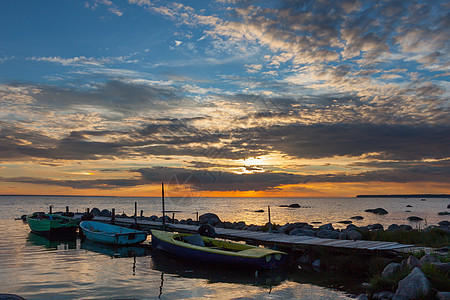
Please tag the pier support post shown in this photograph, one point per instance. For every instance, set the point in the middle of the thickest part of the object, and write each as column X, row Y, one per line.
column 88, row 210
column 142, row 213
column 67, row 209
column 197, row 218
column 173, row 218
column 113, row 215
column 163, row 208
column 135, row 212
column 270, row 223
column 50, row 209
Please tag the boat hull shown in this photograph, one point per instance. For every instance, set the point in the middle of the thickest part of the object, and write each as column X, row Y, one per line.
column 53, row 226
column 229, row 259
column 111, row 234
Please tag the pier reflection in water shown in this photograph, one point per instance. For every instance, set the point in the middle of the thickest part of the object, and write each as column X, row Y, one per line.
column 36, row 268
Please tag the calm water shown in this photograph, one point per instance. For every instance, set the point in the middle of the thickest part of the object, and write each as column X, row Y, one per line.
column 36, row 268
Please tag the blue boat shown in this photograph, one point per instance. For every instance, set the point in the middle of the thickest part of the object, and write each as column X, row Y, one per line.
column 111, row 234
column 214, row 251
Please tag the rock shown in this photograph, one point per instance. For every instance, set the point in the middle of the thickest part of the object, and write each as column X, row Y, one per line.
column 209, row 218
column 443, row 295
column 377, row 211
column 254, row 228
column 289, row 226
column 408, row 205
column 95, row 211
column 357, row 218
column 345, row 222
column 105, row 213
column 351, row 227
column 343, row 236
column 328, row 226
column 366, row 285
column 444, row 223
column 442, row 267
column 443, row 213
column 428, row 259
column 411, row 262
column 414, row 219
column 448, row 206
column 405, row 227
column 383, row 295
column 412, row 286
column 391, row 269
column 375, row 227
column 362, row 297
column 328, row 234
column 393, row 227
column 354, row 235
column 304, row 259
column 239, row 225
column 295, row 205
column 302, row 232
column 259, row 210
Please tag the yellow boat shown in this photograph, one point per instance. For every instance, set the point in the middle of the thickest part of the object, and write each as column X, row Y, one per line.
column 215, row 251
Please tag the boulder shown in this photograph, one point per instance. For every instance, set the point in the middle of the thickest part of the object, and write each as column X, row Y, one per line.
column 328, row 226
column 345, row 222
column 443, row 213
column 414, row 219
column 411, row 262
column 254, row 228
column 259, row 211
column 443, row 295
column 448, row 206
column 328, row 234
column 383, row 295
column 105, row 213
column 375, row 227
column 239, row 225
column 95, row 211
column 405, row 227
column 393, row 227
column 351, row 227
column 354, row 235
column 295, row 205
column 412, row 286
column 391, row 269
column 428, row 259
column 408, row 205
column 444, row 223
column 357, row 218
column 343, row 236
column 442, row 267
column 362, row 297
column 377, row 211
column 209, row 218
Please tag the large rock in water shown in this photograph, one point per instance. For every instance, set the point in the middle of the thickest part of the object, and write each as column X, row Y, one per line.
column 428, row 259
column 377, row 211
column 413, row 286
column 95, row 211
column 209, row 218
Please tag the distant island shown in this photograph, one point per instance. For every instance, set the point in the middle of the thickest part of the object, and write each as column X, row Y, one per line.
column 406, row 196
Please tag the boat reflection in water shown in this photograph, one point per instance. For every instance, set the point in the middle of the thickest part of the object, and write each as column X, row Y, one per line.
column 114, row 251
column 53, row 244
column 170, row 266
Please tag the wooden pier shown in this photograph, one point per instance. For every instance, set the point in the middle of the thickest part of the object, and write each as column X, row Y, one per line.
column 283, row 241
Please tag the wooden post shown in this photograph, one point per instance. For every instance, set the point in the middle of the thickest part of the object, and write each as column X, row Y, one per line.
column 197, row 217
column 135, row 212
column 67, row 209
column 163, row 208
column 113, row 215
column 173, row 218
column 50, row 209
column 270, row 224
column 142, row 213
column 88, row 210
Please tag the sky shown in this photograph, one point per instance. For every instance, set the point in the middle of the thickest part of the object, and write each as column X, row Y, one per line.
column 224, row 98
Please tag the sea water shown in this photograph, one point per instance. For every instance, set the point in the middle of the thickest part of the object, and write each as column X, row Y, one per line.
column 36, row 268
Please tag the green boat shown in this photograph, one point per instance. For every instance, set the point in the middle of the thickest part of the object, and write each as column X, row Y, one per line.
column 52, row 225
column 193, row 247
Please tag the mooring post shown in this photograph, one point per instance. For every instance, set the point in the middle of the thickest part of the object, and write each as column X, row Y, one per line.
column 67, row 209
column 270, row 223
column 50, row 209
column 197, row 217
column 135, row 212
column 88, row 210
column 163, row 208
column 173, row 218
column 113, row 215
column 142, row 213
